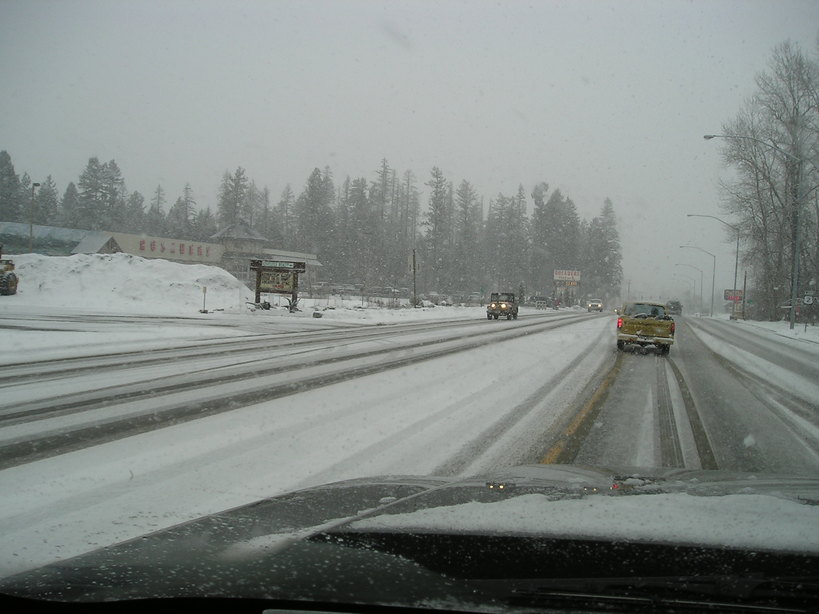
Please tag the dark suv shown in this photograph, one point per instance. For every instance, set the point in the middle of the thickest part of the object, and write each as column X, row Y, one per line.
column 674, row 308
column 502, row 304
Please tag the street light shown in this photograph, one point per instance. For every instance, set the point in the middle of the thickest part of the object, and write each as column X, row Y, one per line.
column 708, row 137
column 31, row 217
column 713, row 272
column 696, row 269
column 797, row 207
column 736, row 262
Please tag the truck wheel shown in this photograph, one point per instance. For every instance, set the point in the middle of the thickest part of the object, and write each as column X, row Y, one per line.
column 488, row 316
column 496, row 316
column 621, row 345
column 515, row 316
column 664, row 350
column 509, row 316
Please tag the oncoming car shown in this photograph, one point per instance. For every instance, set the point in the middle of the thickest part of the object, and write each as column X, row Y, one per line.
column 594, row 304
column 502, row 305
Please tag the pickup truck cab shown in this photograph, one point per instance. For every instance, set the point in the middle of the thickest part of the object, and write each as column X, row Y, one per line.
column 502, row 304
column 644, row 323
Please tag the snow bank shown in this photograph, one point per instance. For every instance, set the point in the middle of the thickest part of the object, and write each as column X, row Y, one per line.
column 132, row 285
column 124, row 283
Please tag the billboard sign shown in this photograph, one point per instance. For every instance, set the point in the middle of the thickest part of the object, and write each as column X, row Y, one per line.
column 566, row 275
column 283, row 282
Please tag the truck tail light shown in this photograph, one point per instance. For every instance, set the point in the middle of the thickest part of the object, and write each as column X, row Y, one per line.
column 673, row 327
column 620, row 323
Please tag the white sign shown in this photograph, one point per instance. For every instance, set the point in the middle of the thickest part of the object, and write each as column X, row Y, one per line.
column 566, row 275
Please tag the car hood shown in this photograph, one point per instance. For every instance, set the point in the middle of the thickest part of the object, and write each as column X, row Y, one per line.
column 405, row 540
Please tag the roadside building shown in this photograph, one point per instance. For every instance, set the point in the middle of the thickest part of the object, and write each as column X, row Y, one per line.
column 231, row 248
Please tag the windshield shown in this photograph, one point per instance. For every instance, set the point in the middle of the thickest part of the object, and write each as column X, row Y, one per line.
column 475, row 257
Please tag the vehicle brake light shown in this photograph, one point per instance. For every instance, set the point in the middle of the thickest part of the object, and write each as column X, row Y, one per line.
column 673, row 327
column 620, row 323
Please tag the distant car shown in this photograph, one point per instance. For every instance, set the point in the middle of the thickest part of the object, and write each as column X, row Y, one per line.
column 502, row 304
column 674, row 308
column 595, row 304
column 542, row 302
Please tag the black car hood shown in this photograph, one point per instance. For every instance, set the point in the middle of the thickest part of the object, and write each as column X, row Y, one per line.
column 411, row 540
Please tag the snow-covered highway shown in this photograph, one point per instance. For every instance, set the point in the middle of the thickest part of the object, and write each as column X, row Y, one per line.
column 113, row 424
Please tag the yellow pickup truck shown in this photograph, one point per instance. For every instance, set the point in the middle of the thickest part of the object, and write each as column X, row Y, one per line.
column 644, row 324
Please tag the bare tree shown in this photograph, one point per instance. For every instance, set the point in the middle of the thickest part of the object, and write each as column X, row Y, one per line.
column 772, row 144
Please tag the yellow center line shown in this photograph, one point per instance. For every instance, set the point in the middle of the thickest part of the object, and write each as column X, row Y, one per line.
column 584, row 416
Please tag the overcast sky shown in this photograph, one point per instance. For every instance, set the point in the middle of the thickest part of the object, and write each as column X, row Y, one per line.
column 597, row 98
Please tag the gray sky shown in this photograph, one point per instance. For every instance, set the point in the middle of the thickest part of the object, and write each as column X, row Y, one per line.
column 597, row 98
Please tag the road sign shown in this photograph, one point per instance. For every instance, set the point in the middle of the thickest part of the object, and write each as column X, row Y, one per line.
column 733, row 295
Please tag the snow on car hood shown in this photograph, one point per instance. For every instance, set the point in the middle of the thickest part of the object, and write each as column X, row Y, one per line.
column 389, row 527
column 742, row 520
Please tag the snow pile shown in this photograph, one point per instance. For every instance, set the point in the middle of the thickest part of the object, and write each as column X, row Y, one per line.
column 128, row 284
column 802, row 331
column 124, row 283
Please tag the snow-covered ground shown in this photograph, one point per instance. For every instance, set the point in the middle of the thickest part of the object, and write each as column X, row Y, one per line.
column 127, row 285
column 412, row 421
column 131, row 285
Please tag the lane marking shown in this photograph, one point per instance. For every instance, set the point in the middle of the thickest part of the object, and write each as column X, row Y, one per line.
column 566, row 448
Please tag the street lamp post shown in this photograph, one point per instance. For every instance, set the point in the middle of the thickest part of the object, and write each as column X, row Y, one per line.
column 31, row 217
column 713, row 272
column 797, row 207
column 696, row 269
column 736, row 261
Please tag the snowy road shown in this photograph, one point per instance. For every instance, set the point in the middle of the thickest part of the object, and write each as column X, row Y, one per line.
column 102, row 442
column 727, row 397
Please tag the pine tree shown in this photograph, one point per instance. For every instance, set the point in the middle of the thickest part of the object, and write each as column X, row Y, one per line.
column 360, row 240
column 342, row 268
column 47, row 203
column 287, row 216
column 155, row 218
column 11, row 194
column 466, row 259
column 204, row 225
column 114, row 197
column 180, row 216
column 135, row 218
column 602, row 268
column 439, row 235
column 268, row 224
column 314, row 215
column 232, row 197
column 91, row 211
column 70, row 207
